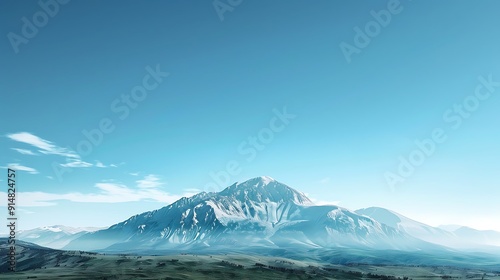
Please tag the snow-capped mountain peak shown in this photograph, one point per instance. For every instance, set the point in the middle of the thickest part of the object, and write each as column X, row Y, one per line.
column 265, row 189
column 266, row 179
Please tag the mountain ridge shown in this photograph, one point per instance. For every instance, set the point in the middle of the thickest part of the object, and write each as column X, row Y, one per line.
column 259, row 212
column 56, row 236
column 262, row 213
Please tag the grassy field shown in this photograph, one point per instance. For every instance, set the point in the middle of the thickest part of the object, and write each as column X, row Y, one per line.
column 82, row 265
column 35, row 262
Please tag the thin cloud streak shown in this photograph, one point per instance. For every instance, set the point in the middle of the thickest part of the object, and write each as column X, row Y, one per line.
column 19, row 167
column 45, row 146
column 24, row 152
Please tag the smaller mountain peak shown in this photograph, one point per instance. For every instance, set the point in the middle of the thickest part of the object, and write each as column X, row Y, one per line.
column 52, row 228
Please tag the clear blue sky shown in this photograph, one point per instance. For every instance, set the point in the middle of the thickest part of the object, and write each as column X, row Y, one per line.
column 352, row 120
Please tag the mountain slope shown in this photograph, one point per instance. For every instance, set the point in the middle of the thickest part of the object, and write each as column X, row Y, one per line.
column 260, row 212
column 28, row 255
column 478, row 237
column 411, row 227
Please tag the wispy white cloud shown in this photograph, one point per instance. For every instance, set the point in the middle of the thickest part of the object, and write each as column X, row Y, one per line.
column 107, row 193
column 149, row 181
column 134, row 174
column 77, row 163
column 73, row 159
column 45, row 146
column 50, row 177
column 102, row 165
column 24, row 151
column 19, row 167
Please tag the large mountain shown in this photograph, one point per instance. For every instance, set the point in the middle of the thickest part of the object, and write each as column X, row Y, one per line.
column 258, row 213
